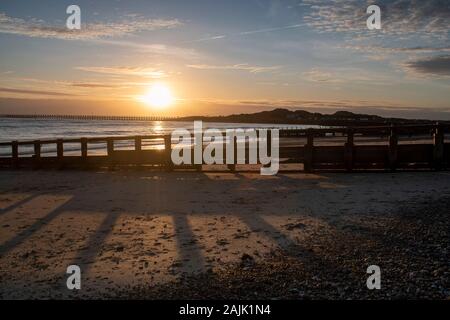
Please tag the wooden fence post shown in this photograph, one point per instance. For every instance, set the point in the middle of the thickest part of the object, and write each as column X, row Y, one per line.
column 438, row 147
column 37, row 154
column 84, row 148
column 198, row 167
column 232, row 167
column 15, row 154
column 59, row 149
column 168, row 152
column 309, row 149
column 110, row 146
column 348, row 155
column 110, row 150
column 138, row 143
column 60, row 152
column 269, row 146
column 393, row 148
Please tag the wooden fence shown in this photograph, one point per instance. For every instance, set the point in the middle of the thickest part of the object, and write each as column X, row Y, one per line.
column 296, row 147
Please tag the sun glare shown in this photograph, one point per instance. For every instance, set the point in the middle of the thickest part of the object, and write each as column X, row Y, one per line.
column 159, row 96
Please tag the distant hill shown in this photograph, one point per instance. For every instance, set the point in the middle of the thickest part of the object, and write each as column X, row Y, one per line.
column 285, row 116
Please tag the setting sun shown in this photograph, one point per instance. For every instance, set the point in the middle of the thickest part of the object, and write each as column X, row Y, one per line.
column 159, row 96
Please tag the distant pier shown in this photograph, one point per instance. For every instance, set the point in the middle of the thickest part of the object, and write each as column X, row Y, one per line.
column 87, row 117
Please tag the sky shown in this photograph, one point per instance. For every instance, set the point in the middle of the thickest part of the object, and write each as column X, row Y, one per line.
column 225, row 56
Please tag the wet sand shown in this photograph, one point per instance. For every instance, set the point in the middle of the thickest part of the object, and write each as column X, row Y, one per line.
column 128, row 229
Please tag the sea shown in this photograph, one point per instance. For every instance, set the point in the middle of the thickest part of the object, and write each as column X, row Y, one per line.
column 42, row 129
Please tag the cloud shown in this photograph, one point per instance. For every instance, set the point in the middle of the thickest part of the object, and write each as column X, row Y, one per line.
column 35, row 92
column 222, row 36
column 39, row 29
column 116, row 84
column 93, row 85
column 399, row 17
column 155, row 48
column 381, row 49
column 343, row 75
column 411, row 29
column 126, row 70
column 294, row 26
column 434, row 66
column 249, row 32
column 100, row 33
column 239, row 67
column 318, row 75
column 420, row 49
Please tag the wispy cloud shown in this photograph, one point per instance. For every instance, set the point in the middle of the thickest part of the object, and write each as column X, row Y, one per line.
column 399, row 17
column 127, row 70
column 249, row 32
column 318, row 75
column 154, row 48
column 61, row 87
column 238, row 67
column 210, row 38
column 343, row 75
column 94, row 85
column 100, row 32
column 294, row 26
column 381, row 49
column 40, row 29
column 35, row 92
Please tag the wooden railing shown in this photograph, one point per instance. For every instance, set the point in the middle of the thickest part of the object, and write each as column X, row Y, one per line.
column 301, row 149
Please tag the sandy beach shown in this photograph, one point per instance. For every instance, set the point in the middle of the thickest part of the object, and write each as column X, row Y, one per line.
column 139, row 233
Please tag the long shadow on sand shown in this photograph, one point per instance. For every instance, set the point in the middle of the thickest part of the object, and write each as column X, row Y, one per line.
column 157, row 196
column 18, row 203
column 25, row 234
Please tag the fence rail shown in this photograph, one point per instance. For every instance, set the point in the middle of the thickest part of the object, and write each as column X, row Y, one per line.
column 349, row 156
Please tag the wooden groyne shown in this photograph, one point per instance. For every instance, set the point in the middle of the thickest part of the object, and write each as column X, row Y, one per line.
column 390, row 155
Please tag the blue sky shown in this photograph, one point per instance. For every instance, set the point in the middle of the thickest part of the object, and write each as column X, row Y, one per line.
column 220, row 57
